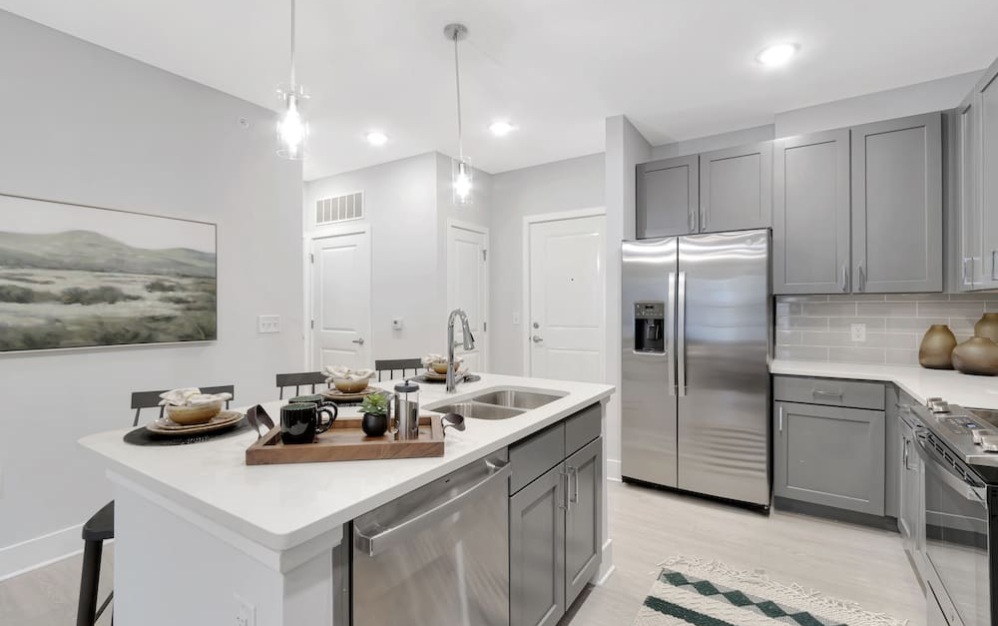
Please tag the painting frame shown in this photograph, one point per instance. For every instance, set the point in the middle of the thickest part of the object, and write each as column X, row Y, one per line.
column 139, row 279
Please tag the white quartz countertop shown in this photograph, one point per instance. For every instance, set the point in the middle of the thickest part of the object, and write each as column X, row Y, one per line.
column 920, row 383
column 282, row 506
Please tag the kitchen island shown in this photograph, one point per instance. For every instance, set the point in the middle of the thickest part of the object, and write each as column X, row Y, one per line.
column 202, row 538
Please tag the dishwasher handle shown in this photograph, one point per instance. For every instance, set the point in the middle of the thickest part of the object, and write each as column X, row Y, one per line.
column 374, row 544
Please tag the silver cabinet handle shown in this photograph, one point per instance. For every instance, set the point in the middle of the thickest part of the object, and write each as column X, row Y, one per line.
column 781, row 418
column 862, row 278
column 693, row 221
column 819, row 393
column 845, row 278
column 967, row 281
column 564, row 478
column 537, row 339
column 681, row 335
column 359, row 342
column 905, row 454
column 705, row 220
column 374, row 544
column 573, row 478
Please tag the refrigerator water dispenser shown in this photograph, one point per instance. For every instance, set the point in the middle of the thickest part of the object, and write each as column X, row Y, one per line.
column 649, row 327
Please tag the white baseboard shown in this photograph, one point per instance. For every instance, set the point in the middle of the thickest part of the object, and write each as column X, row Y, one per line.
column 613, row 469
column 40, row 551
column 607, row 567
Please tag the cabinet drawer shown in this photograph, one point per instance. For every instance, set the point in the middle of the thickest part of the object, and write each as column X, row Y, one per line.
column 831, row 392
column 583, row 427
column 534, row 456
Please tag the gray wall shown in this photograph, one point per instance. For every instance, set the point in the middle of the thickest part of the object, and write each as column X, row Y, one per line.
column 549, row 188
column 85, row 125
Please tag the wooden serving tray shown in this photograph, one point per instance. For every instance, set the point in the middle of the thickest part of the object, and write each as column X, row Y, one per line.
column 345, row 441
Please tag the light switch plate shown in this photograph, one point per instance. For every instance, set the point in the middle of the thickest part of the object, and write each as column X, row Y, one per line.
column 859, row 333
column 269, row 324
column 245, row 612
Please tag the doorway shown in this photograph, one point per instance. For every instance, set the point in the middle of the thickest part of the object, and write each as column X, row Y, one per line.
column 468, row 287
column 565, row 295
column 341, row 300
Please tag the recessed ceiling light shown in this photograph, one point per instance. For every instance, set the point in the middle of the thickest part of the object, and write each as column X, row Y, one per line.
column 777, row 55
column 377, row 138
column 501, row 128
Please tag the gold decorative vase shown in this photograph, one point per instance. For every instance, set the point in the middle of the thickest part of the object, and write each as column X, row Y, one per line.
column 977, row 355
column 987, row 327
column 937, row 348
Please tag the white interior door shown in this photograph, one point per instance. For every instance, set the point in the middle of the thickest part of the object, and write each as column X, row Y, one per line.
column 341, row 301
column 566, row 311
column 467, row 288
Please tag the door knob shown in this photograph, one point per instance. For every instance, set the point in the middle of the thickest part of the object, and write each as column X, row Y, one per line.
column 537, row 339
column 359, row 342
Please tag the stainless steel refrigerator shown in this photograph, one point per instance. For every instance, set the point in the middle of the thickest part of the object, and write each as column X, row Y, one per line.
column 695, row 387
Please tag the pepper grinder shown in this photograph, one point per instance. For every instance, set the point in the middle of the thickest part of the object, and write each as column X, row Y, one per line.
column 407, row 410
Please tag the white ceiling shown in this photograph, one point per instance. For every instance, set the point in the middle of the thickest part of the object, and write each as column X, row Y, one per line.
column 678, row 68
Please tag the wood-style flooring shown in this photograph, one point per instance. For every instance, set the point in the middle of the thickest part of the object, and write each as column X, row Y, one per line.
column 647, row 526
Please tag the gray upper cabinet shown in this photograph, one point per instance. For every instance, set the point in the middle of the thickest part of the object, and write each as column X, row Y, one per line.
column 736, row 188
column 968, row 181
column 830, row 455
column 537, row 551
column 583, row 534
column 811, row 231
column 667, row 197
column 987, row 171
column 897, row 210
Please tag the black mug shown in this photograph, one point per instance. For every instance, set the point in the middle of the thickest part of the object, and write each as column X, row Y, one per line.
column 315, row 399
column 302, row 421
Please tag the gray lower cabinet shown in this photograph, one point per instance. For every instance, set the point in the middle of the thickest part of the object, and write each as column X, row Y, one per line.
column 537, row 551
column 811, row 203
column 583, row 519
column 897, row 207
column 736, row 188
column 667, row 197
column 830, row 455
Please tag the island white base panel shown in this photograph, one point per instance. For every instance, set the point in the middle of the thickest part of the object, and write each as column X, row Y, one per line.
column 171, row 571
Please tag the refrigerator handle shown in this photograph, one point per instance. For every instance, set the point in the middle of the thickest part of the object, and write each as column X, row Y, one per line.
column 681, row 335
column 670, row 333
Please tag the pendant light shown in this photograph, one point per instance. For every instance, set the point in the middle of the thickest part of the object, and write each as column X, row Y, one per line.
column 292, row 129
column 461, row 168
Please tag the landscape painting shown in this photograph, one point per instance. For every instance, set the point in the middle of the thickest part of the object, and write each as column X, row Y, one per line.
column 74, row 276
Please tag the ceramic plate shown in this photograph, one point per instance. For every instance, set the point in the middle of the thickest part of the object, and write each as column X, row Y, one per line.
column 337, row 395
column 432, row 376
column 166, row 426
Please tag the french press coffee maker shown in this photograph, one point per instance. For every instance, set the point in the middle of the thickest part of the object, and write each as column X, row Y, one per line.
column 406, row 411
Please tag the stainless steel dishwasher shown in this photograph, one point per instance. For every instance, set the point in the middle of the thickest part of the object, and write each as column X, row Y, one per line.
column 439, row 555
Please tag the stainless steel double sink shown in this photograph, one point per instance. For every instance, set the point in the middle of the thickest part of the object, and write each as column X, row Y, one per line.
column 499, row 404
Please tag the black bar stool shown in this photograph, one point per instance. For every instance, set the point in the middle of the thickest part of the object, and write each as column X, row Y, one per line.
column 397, row 365
column 299, row 380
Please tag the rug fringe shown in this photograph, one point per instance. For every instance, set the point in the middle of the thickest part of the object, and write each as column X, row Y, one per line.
column 849, row 612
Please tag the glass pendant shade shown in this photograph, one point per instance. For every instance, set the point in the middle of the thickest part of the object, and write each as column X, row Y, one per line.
column 463, row 177
column 292, row 129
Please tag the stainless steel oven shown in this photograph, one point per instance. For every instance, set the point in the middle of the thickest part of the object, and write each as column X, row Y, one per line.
column 956, row 525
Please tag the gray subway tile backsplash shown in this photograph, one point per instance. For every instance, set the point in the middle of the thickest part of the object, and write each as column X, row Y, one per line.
column 818, row 328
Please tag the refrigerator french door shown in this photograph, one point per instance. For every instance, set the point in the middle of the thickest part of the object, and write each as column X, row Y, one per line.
column 695, row 386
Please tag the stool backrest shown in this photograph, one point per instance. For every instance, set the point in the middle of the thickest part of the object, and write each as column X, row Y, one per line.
column 150, row 399
column 390, row 366
column 299, row 380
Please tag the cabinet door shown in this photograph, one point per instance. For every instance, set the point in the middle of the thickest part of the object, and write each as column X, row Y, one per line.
column 908, row 510
column 736, row 188
column 537, row 551
column 893, row 452
column 987, row 103
column 971, row 275
column 667, row 197
column 811, row 214
column 830, row 456
column 897, row 210
column 584, row 519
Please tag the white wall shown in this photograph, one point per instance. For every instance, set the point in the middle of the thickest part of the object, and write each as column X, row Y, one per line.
column 549, row 188
column 935, row 95
column 625, row 148
column 83, row 124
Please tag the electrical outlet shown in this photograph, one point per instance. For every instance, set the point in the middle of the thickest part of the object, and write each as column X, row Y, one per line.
column 397, row 323
column 269, row 324
column 245, row 612
column 859, row 333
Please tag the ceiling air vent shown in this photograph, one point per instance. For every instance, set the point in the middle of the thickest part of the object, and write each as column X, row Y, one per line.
column 339, row 209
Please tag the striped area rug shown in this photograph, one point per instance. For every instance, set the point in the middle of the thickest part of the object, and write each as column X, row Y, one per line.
column 708, row 593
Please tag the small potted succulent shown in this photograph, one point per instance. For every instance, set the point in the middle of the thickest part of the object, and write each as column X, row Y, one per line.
column 375, row 411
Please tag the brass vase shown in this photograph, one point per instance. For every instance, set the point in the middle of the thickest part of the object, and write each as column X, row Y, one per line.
column 987, row 327
column 937, row 348
column 977, row 355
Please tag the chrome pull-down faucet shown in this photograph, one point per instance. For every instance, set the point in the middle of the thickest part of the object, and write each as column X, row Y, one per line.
column 469, row 344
